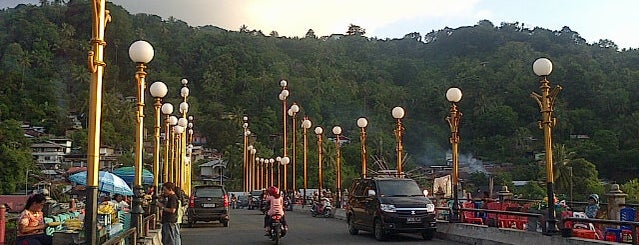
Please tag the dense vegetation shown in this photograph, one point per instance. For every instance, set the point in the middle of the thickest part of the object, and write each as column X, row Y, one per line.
column 44, row 79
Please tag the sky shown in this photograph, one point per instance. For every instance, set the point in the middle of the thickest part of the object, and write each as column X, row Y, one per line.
column 616, row 20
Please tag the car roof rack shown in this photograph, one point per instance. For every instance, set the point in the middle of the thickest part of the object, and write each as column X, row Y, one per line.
column 388, row 173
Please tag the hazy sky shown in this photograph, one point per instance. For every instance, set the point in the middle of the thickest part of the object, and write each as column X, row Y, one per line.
column 616, row 20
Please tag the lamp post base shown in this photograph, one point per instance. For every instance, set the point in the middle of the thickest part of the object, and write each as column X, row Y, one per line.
column 551, row 221
column 137, row 212
column 91, row 215
column 454, row 216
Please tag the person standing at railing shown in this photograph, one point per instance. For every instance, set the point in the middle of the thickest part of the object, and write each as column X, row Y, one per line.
column 593, row 212
column 31, row 224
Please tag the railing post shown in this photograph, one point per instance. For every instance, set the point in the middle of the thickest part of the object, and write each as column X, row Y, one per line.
column 616, row 199
column 504, row 194
column 3, row 222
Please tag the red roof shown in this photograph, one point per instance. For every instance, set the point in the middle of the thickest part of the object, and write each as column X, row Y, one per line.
column 14, row 203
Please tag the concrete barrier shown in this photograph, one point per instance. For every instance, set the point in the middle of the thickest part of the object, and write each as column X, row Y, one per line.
column 484, row 235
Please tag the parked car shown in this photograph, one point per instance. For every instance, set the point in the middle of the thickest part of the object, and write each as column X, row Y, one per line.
column 209, row 203
column 389, row 205
column 242, row 201
column 255, row 199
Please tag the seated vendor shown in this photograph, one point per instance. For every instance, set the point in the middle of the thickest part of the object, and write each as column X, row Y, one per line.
column 31, row 226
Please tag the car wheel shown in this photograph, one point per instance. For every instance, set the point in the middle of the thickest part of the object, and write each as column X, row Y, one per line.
column 428, row 235
column 351, row 227
column 191, row 222
column 378, row 230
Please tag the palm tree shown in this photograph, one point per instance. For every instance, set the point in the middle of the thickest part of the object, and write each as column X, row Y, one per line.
column 562, row 168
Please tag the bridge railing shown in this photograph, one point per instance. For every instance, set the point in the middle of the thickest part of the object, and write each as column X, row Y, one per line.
column 632, row 224
column 129, row 237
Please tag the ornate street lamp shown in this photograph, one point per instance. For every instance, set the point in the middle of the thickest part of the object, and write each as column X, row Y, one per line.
column 543, row 67
column 306, row 124
column 362, row 123
column 293, row 113
column 183, row 173
column 179, row 131
column 337, row 131
column 249, row 167
column 174, row 148
column 454, row 95
column 245, row 152
column 279, row 171
column 167, row 109
column 260, row 172
column 318, row 132
column 270, row 162
column 140, row 52
column 185, row 163
column 254, row 169
column 96, row 65
column 398, row 113
column 158, row 91
column 285, row 161
column 282, row 96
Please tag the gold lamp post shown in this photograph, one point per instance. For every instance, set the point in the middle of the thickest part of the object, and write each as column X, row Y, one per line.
column 179, row 134
column 249, row 166
column 398, row 113
column 140, row 52
column 362, row 122
column 167, row 109
column 318, row 132
column 543, row 67
column 306, row 124
column 173, row 150
column 282, row 96
column 189, row 153
column 337, row 131
column 285, row 161
column 278, row 164
column 158, row 91
column 96, row 65
column 260, row 174
column 271, row 161
column 184, row 164
column 293, row 113
column 454, row 95
column 254, row 169
column 245, row 136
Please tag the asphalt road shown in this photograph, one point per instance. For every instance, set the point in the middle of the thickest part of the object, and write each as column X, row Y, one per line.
column 246, row 228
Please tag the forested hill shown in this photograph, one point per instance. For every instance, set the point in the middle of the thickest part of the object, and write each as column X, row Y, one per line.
column 44, row 78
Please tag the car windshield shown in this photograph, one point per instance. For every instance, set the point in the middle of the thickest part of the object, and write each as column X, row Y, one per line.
column 209, row 192
column 396, row 188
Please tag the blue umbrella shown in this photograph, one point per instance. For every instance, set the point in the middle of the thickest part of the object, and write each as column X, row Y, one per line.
column 128, row 175
column 107, row 182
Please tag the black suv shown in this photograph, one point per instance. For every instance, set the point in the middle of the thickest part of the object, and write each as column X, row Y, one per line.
column 389, row 205
column 209, row 203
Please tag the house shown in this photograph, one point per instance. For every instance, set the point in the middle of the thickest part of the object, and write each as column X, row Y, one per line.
column 48, row 154
column 213, row 169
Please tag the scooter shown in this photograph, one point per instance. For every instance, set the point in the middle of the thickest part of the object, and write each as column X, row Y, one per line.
column 322, row 208
column 277, row 229
column 288, row 205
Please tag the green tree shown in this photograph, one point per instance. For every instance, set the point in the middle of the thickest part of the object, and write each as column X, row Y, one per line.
column 15, row 156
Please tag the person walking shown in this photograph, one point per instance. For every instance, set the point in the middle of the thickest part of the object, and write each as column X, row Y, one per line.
column 170, row 233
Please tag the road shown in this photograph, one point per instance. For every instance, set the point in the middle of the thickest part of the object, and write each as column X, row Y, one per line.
column 246, row 228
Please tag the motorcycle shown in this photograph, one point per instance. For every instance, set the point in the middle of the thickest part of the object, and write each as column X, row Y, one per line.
column 277, row 230
column 288, row 205
column 322, row 208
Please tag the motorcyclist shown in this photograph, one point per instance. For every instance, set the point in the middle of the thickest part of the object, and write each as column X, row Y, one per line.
column 275, row 202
